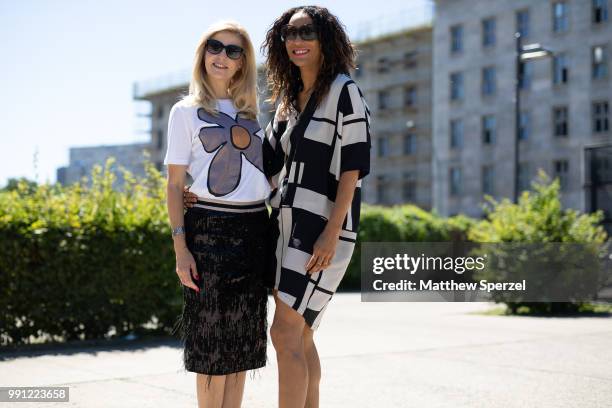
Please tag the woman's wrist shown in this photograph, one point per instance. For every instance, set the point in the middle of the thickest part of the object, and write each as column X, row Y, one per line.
column 179, row 244
column 334, row 227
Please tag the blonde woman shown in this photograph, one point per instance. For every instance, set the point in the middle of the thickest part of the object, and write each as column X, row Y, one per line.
column 219, row 242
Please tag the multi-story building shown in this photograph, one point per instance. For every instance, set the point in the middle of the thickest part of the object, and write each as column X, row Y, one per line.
column 394, row 72
column 162, row 93
column 82, row 160
column 565, row 100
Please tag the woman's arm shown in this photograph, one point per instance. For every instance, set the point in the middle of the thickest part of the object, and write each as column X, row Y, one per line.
column 325, row 246
column 354, row 165
column 185, row 263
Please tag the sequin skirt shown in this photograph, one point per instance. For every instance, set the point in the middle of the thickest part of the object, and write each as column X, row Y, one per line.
column 224, row 327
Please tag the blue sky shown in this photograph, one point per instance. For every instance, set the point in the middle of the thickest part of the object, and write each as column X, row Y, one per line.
column 68, row 66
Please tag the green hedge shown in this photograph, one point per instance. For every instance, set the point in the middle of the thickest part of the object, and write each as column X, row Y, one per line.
column 79, row 261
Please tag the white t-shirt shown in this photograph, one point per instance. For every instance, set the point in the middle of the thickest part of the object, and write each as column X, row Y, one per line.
column 223, row 153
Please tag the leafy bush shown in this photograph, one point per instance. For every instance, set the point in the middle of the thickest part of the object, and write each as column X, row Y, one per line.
column 78, row 261
column 538, row 218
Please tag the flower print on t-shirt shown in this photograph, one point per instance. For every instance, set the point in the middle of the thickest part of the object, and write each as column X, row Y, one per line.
column 230, row 139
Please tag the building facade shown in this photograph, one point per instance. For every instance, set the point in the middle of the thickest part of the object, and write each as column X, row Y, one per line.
column 83, row 159
column 565, row 98
column 162, row 93
column 394, row 71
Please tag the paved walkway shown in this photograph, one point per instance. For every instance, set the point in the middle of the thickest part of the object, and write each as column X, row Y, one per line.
column 373, row 355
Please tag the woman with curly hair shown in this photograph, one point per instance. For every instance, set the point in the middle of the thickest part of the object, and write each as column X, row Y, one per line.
column 316, row 153
column 214, row 136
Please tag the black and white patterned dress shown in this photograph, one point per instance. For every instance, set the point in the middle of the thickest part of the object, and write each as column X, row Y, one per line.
column 304, row 155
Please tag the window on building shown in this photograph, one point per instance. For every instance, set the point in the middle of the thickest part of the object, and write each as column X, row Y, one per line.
column 456, row 43
column 560, row 121
column 524, row 125
column 488, row 129
column 600, row 11
column 524, row 170
column 599, row 58
column 561, row 170
column 383, row 146
column 488, row 81
column 410, row 143
column 456, row 86
column 560, row 69
column 525, row 74
column 601, row 117
column 410, row 94
column 488, row 32
column 455, row 181
column 560, row 16
column 383, row 65
column 383, row 99
column 456, row 133
column 522, row 23
column 410, row 60
column 160, row 111
column 488, row 179
column 409, row 186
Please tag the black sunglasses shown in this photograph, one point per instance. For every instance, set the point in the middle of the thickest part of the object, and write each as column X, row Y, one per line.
column 307, row 32
column 232, row 51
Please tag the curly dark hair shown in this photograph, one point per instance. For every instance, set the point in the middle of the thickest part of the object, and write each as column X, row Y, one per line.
column 284, row 79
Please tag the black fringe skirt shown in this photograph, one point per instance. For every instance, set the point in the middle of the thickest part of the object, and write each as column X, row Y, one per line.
column 224, row 327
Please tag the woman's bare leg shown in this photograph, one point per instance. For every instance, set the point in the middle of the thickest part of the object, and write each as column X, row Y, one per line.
column 234, row 389
column 287, row 338
column 210, row 395
column 314, row 368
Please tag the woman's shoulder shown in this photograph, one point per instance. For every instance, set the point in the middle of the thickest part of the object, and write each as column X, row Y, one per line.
column 183, row 106
column 342, row 85
column 343, row 80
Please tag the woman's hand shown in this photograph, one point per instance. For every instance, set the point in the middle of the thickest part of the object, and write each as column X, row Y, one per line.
column 324, row 249
column 188, row 197
column 186, row 268
column 325, row 246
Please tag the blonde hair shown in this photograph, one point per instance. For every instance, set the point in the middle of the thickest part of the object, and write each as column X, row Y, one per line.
column 242, row 87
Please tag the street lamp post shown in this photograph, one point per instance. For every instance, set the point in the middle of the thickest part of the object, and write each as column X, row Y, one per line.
column 523, row 53
column 517, row 114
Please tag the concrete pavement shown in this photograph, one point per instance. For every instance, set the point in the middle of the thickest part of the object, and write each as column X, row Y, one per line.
column 373, row 355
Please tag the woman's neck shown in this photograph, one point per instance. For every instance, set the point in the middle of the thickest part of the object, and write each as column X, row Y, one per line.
column 220, row 89
column 309, row 77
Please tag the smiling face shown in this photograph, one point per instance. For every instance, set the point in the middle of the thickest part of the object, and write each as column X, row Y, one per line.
column 220, row 66
column 304, row 54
